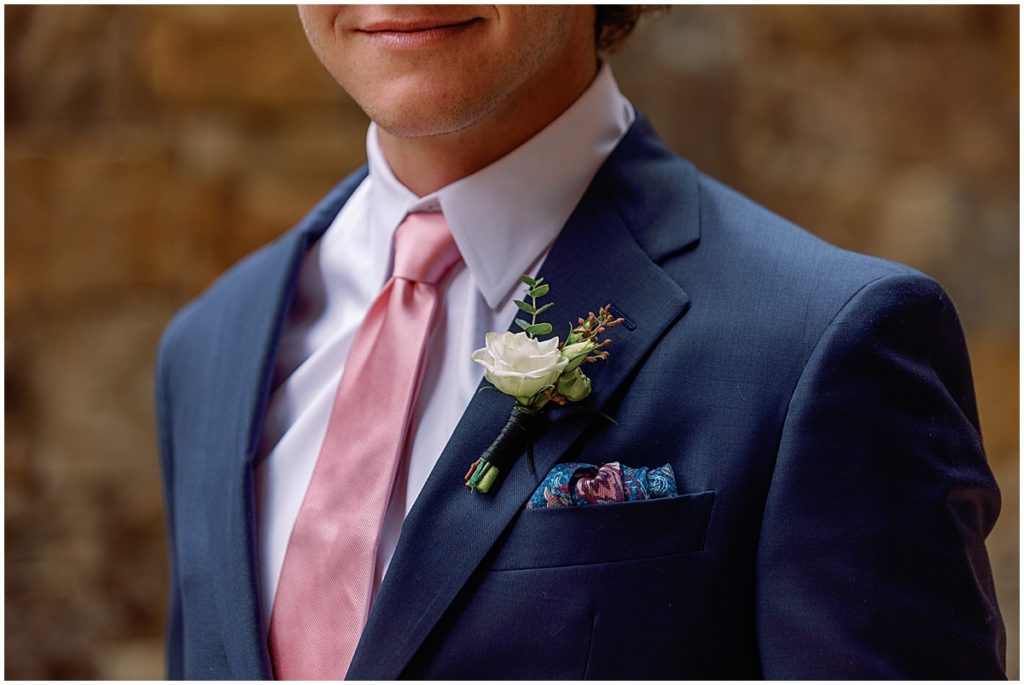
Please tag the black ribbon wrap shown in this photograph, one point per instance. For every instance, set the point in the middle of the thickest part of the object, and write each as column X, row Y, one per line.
column 512, row 439
column 515, row 437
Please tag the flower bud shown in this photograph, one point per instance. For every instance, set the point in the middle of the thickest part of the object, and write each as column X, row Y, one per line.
column 574, row 385
column 575, row 354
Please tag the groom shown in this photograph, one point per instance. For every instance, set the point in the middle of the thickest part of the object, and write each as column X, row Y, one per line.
column 318, row 405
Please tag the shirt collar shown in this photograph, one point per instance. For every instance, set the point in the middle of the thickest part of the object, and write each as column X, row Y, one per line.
column 504, row 216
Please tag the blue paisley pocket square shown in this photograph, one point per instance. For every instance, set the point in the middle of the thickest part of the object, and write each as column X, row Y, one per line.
column 575, row 484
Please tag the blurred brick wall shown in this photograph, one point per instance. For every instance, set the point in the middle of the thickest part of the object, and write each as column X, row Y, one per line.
column 148, row 148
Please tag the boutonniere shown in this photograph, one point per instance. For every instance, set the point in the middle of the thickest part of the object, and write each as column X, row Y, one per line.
column 537, row 373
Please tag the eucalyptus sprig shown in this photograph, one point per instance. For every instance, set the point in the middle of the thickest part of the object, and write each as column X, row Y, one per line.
column 534, row 289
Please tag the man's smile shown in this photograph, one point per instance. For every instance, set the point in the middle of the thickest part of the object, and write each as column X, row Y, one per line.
column 393, row 33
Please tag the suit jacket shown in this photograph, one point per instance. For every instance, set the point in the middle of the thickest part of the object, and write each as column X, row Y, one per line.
column 815, row 404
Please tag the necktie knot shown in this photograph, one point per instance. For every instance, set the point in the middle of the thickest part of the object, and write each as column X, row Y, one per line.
column 424, row 248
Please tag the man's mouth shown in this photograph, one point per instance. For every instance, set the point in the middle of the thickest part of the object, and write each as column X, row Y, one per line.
column 397, row 26
column 414, row 34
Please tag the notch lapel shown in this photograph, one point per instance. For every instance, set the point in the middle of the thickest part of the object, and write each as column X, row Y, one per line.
column 248, row 334
column 597, row 259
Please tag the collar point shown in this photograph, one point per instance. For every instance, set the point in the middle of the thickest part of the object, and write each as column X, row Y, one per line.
column 493, row 298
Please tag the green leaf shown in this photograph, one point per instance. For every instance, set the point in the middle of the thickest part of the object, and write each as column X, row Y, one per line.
column 538, row 281
column 540, row 290
column 539, row 329
column 541, row 310
column 528, row 281
column 528, row 308
column 525, row 325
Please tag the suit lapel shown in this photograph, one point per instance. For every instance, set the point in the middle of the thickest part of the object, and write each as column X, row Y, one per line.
column 248, row 334
column 597, row 259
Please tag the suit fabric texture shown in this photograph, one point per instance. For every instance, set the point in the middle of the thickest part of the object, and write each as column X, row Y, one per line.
column 816, row 406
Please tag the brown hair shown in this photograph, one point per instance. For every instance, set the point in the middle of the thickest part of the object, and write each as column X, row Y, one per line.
column 614, row 23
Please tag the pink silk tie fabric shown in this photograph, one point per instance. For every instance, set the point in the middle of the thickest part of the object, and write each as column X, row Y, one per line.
column 324, row 592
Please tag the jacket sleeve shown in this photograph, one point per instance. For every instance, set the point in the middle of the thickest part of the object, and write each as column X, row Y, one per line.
column 871, row 560
column 174, row 629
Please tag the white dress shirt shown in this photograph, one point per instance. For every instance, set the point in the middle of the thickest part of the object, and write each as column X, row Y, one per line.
column 503, row 218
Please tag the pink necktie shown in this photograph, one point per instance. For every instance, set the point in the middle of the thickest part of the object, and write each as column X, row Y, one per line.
column 323, row 595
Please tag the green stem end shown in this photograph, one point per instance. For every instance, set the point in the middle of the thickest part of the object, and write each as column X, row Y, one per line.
column 481, row 475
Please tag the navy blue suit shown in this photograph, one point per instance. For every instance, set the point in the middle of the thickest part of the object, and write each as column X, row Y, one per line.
column 816, row 405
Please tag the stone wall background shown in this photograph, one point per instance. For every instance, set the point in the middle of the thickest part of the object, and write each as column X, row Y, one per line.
column 148, row 148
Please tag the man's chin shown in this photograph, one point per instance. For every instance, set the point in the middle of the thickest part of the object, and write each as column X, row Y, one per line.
column 424, row 115
column 418, row 126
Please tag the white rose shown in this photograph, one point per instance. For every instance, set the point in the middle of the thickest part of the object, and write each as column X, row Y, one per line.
column 519, row 365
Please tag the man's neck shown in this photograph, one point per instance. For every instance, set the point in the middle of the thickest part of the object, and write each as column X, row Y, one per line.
column 426, row 164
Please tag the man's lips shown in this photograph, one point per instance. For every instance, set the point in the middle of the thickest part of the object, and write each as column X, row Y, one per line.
column 414, row 34
column 395, row 25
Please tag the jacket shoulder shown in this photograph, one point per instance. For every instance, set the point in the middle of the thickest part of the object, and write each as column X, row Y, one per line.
column 756, row 276
column 244, row 285
column 779, row 250
column 702, row 231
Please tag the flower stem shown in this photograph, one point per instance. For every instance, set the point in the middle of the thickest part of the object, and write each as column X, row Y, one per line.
column 499, row 458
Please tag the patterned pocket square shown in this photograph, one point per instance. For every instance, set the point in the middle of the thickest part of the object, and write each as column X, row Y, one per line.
column 574, row 484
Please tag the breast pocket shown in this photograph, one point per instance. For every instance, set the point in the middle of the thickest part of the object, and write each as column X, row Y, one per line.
column 602, row 533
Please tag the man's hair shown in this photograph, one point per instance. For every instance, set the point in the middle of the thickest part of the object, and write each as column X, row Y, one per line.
column 614, row 23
